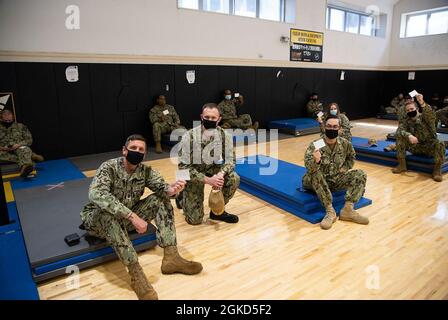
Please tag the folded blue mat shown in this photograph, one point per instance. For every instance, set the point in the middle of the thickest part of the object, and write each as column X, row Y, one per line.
column 284, row 188
column 49, row 172
column 294, row 124
column 16, row 282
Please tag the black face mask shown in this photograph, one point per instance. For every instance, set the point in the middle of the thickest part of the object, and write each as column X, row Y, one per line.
column 134, row 157
column 209, row 124
column 412, row 114
column 331, row 134
column 7, row 124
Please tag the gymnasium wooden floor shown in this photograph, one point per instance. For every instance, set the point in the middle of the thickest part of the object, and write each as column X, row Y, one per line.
column 271, row 254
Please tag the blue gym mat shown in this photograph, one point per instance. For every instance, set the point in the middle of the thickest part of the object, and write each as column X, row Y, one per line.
column 284, row 189
column 296, row 124
column 379, row 156
column 15, row 274
column 49, row 172
column 388, row 116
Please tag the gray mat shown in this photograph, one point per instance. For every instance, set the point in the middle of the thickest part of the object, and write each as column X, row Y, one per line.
column 48, row 214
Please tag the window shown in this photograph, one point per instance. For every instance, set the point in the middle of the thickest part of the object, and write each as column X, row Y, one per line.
column 275, row 10
column 341, row 19
column 434, row 21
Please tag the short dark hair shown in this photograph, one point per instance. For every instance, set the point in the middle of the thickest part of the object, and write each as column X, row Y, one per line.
column 333, row 117
column 134, row 137
column 410, row 102
column 314, row 94
column 210, row 105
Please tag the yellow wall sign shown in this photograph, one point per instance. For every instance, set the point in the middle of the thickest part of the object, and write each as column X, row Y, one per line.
column 306, row 45
column 307, row 37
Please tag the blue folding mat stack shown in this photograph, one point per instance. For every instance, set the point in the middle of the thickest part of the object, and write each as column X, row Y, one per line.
column 284, row 187
column 376, row 154
column 297, row 126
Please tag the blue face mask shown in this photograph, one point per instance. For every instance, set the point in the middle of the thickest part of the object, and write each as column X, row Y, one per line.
column 228, row 96
column 334, row 112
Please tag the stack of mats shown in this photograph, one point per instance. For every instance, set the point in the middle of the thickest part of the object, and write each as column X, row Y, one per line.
column 297, row 127
column 377, row 155
column 441, row 129
column 388, row 116
column 284, row 188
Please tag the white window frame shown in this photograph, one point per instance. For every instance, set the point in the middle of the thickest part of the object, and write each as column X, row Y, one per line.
column 407, row 16
column 346, row 11
column 232, row 10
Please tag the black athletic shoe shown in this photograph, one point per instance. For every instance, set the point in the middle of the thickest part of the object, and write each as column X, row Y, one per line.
column 26, row 170
column 226, row 217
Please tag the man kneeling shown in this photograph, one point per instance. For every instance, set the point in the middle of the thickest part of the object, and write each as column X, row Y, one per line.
column 329, row 169
column 115, row 208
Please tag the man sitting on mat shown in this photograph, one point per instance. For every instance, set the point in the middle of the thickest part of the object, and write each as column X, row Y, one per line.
column 164, row 119
column 116, row 207
column 330, row 169
column 199, row 155
column 230, row 118
column 333, row 109
column 314, row 106
column 442, row 114
column 417, row 133
column 15, row 142
column 396, row 103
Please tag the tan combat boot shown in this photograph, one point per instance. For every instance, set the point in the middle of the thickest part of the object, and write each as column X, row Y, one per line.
column 348, row 213
column 329, row 218
column 37, row 157
column 172, row 262
column 401, row 166
column 158, row 147
column 437, row 173
column 140, row 283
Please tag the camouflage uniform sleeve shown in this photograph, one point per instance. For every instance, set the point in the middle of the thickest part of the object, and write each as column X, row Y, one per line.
column 309, row 107
column 349, row 157
column 155, row 181
column 310, row 165
column 229, row 154
column 220, row 108
column 394, row 103
column 345, row 123
column 403, row 128
column 429, row 115
column 27, row 138
column 186, row 158
column 101, row 195
column 154, row 116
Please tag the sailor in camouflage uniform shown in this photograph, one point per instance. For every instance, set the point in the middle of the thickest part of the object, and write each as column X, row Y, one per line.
column 314, row 106
column 330, row 169
column 396, row 104
column 230, row 118
column 115, row 208
column 164, row 119
column 417, row 133
column 345, row 131
column 207, row 152
column 15, row 142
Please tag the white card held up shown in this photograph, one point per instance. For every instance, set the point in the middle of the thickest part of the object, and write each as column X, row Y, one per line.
column 183, row 174
column 319, row 144
column 320, row 114
column 165, row 112
column 413, row 93
column 237, row 95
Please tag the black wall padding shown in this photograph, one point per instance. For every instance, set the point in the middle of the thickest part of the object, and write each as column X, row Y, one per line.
column 112, row 101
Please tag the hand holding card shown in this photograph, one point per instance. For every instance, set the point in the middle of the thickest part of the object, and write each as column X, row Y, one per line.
column 413, row 93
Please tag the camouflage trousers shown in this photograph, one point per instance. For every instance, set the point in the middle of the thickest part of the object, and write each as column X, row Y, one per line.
column 390, row 110
column 21, row 156
column 115, row 230
column 354, row 181
column 244, row 121
column 160, row 128
column 442, row 115
column 433, row 148
column 193, row 195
